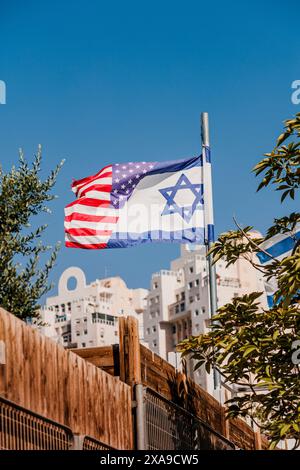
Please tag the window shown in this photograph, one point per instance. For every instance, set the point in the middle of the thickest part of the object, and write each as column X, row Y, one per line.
column 148, row 331
column 190, row 285
column 77, row 333
column 177, row 298
column 173, row 329
column 85, row 332
column 154, row 343
column 197, row 282
column 203, row 310
column 83, row 345
column 154, row 329
column 155, row 285
column 182, row 296
column 191, row 269
column 196, row 313
column 182, row 306
column 191, row 299
column 198, row 296
column 177, row 309
column 85, row 319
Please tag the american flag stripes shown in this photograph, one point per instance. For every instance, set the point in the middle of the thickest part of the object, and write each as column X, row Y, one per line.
column 90, row 219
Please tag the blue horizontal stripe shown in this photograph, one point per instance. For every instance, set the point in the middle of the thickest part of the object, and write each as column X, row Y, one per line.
column 210, row 233
column 123, row 240
column 207, row 154
column 279, row 248
column 170, row 166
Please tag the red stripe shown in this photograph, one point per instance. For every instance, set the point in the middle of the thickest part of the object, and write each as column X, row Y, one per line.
column 87, row 201
column 89, row 178
column 95, row 246
column 91, row 218
column 99, row 177
column 87, row 231
column 104, row 188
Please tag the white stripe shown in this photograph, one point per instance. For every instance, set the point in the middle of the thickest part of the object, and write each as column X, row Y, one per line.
column 91, row 210
column 94, row 194
column 93, row 225
column 84, row 240
column 105, row 180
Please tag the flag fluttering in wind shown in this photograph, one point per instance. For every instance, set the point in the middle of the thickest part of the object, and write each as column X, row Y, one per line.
column 130, row 203
column 279, row 246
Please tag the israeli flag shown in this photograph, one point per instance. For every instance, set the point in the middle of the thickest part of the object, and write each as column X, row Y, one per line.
column 159, row 202
column 280, row 246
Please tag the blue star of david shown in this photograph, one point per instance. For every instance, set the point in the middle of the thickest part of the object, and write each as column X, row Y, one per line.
column 169, row 194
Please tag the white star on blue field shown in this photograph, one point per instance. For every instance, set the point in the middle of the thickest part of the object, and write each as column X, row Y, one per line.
column 172, row 207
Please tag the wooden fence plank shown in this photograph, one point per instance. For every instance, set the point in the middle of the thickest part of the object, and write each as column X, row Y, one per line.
column 42, row 376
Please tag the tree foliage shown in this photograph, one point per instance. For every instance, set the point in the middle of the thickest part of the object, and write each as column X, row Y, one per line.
column 252, row 347
column 24, row 195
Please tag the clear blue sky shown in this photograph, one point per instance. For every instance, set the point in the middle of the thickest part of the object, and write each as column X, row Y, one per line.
column 103, row 82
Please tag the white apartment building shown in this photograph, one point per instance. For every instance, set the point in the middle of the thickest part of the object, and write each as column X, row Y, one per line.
column 178, row 302
column 87, row 316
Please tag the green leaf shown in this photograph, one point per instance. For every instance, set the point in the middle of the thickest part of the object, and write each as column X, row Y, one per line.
column 249, row 350
column 284, row 429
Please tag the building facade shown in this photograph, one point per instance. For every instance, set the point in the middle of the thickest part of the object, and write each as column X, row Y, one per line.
column 179, row 306
column 87, row 316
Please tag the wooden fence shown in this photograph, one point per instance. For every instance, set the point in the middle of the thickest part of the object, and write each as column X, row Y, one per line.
column 137, row 364
column 91, row 390
column 43, row 377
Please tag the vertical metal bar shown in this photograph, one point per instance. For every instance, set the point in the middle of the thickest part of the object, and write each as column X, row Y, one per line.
column 209, row 223
column 140, row 417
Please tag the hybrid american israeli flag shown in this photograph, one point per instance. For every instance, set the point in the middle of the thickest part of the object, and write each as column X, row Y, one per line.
column 129, row 203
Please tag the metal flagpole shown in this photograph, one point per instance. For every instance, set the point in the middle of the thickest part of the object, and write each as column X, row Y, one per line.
column 209, row 223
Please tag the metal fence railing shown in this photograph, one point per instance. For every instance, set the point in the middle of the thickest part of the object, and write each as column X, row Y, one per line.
column 167, row 427
column 170, row 427
column 92, row 444
column 21, row 429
